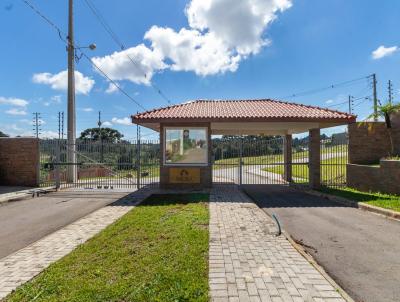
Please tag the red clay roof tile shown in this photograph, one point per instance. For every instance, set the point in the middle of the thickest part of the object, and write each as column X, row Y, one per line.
column 264, row 109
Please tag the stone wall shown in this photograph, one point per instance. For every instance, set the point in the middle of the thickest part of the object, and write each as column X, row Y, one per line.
column 384, row 178
column 370, row 141
column 19, row 161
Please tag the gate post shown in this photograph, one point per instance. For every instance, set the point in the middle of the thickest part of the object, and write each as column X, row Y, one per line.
column 287, row 158
column 57, row 166
column 240, row 160
column 138, row 164
column 314, row 148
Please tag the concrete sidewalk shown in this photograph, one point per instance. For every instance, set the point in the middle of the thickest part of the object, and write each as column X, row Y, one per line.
column 26, row 221
column 26, row 263
column 249, row 263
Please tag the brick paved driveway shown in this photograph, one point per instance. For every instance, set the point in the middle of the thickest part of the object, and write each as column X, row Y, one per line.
column 249, row 263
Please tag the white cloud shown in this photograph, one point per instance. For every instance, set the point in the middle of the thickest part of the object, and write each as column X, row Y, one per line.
column 190, row 50
column 88, row 109
column 106, row 124
column 59, row 81
column 30, row 122
column 48, row 134
column 111, row 88
column 329, row 101
column 12, row 128
column 55, row 99
column 13, row 101
column 119, row 67
column 240, row 24
column 126, row 121
column 221, row 33
column 383, row 51
column 16, row 111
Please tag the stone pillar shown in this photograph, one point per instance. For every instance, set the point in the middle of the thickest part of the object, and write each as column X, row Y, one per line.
column 314, row 159
column 19, row 161
column 396, row 132
column 287, row 158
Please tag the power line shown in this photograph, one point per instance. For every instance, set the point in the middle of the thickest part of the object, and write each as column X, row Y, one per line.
column 112, row 81
column 120, row 44
column 367, row 97
column 313, row 91
column 61, row 33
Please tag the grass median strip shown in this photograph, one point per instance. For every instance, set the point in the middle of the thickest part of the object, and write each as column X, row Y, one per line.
column 386, row 201
column 156, row 252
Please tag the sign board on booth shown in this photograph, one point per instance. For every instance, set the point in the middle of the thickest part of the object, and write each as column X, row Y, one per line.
column 184, row 175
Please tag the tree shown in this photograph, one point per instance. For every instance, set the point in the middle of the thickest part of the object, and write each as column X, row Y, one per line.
column 106, row 134
column 2, row 134
column 385, row 111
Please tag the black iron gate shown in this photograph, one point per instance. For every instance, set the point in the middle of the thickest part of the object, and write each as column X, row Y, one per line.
column 260, row 160
column 100, row 164
column 248, row 160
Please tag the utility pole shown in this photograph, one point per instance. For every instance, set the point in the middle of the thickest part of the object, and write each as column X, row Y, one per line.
column 36, row 124
column 99, row 123
column 350, row 97
column 59, row 125
column 101, row 138
column 71, row 114
column 62, row 125
column 390, row 91
column 138, row 151
column 374, row 82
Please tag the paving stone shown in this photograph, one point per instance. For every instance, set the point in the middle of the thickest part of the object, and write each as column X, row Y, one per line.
column 258, row 266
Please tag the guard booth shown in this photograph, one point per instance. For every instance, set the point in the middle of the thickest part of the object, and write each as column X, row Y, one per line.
column 186, row 129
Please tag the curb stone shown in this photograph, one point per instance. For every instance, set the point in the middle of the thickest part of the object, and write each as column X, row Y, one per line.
column 307, row 256
column 318, row 267
column 24, row 194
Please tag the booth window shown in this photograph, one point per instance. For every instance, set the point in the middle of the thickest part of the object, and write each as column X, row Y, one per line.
column 185, row 146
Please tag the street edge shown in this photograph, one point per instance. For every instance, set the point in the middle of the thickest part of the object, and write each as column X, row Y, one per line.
column 360, row 205
column 318, row 267
column 307, row 256
column 24, row 194
column 135, row 204
column 141, row 198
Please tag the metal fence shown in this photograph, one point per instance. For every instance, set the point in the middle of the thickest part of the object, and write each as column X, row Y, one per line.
column 259, row 160
column 239, row 160
column 101, row 164
column 334, row 159
column 248, row 160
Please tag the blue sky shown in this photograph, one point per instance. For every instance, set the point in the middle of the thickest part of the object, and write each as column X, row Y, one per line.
column 194, row 49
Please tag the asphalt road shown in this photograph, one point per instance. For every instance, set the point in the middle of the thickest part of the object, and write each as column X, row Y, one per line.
column 26, row 221
column 358, row 249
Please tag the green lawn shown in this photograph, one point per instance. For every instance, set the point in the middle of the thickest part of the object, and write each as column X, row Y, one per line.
column 331, row 169
column 156, row 252
column 391, row 202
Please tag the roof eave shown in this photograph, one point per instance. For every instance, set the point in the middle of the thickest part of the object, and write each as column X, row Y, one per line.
column 344, row 120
